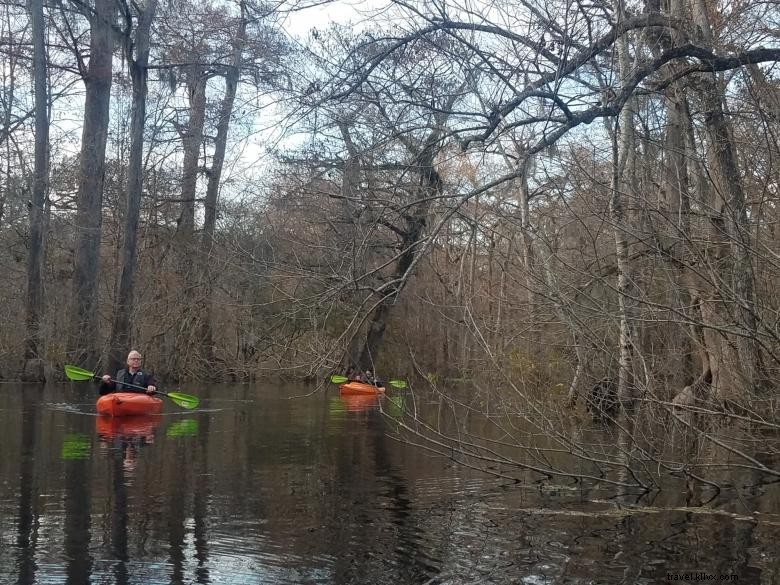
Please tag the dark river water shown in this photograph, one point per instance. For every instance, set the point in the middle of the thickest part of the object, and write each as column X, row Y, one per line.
column 265, row 484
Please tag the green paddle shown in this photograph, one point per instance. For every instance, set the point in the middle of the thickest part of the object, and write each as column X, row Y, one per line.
column 336, row 379
column 184, row 400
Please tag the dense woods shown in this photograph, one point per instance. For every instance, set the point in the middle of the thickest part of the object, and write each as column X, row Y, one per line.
column 570, row 205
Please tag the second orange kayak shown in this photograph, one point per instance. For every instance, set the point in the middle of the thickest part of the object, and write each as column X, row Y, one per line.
column 359, row 388
column 128, row 404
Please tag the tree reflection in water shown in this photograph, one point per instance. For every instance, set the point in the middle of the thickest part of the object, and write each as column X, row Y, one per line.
column 261, row 488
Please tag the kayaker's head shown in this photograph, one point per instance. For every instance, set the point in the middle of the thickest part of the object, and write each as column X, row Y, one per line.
column 134, row 361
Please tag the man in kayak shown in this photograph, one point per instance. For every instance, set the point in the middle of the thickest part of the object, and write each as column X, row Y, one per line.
column 368, row 378
column 132, row 374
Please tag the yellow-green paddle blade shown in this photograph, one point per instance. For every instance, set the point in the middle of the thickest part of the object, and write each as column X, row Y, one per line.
column 183, row 400
column 78, row 374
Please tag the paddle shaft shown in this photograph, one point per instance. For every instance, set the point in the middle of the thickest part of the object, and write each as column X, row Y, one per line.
column 183, row 400
column 133, row 386
column 339, row 379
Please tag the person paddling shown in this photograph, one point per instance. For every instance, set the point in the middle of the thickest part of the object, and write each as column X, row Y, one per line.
column 369, row 378
column 132, row 374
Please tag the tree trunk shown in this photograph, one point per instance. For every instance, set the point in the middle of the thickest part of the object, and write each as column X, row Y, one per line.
column 623, row 183
column 731, row 224
column 674, row 235
column 82, row 346
column 9, row 81
column 192, row 138
column 416, row 221
column 33, row 348
column 181, row 340
column 733, row 208
column 212, row 190
column 528, row 243
column 121, row 333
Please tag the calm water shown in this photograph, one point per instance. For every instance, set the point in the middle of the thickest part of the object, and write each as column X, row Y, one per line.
column 258, row 488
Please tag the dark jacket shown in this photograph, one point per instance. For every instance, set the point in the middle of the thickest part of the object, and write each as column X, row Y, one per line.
column 140, row 378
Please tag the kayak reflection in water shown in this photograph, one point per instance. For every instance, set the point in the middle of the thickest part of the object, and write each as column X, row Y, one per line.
column 126, row 436
column 132, row 374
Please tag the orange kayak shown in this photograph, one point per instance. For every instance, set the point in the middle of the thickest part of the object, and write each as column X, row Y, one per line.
column 128, row 404
column 359, row 388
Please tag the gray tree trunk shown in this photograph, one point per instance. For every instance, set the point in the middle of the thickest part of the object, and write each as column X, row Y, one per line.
column 82, row 346
column 180, row 341
column 622, row 184
column 192, row 139
column 416, row 221
column 212, row 190
column 9, row 80
column 430, row 184
column 120, row 332
column 33, row 348
column 731, row 225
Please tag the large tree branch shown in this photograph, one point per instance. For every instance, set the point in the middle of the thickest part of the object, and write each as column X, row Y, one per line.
column 708, row 62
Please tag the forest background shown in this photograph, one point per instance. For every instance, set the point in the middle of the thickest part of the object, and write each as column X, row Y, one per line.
column 553, row 199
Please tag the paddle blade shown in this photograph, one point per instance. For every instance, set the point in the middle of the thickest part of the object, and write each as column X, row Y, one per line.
column 184, row 400
column 78, row 374
column 401, row 384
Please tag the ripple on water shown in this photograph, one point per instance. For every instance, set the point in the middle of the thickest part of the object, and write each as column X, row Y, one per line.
column 432, row 488
column 87, row 409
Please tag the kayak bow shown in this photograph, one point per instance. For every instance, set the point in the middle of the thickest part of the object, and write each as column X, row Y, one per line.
column 360, row 389
column 128, row 404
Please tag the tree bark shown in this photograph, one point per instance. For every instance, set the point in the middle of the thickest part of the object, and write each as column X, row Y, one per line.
column 729, row 207
column 121, row 332
column 9, row 81
column 623, row 183
column 33, row 348
column 82, row 346
column 212, row 190
column 416, row 221
column 192, row 139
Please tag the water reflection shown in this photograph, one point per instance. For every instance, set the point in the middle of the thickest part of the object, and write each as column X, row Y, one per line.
column 264, row 489
column 27, row 524
column 357, row 403
column 127, row 429
column 122, row 458
column 77, row 510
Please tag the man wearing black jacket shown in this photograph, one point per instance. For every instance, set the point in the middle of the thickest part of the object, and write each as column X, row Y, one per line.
column 132, row 374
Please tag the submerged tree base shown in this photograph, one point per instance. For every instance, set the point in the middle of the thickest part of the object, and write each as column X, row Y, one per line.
column 34, row 371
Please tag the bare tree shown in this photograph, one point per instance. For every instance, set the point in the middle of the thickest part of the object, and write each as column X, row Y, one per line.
column 231, row 77
column 83, row 338
column 33, row 351
column 137, row 54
